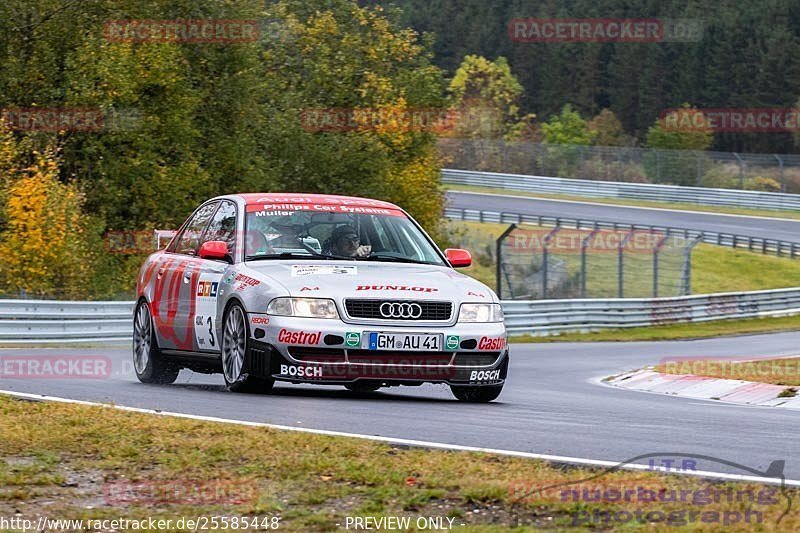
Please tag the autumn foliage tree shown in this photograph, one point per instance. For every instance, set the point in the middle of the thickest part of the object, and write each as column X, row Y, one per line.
column 44, row 243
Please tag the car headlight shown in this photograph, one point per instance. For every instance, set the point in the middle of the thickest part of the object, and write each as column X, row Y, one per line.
column 303, row 307
column 480, row 313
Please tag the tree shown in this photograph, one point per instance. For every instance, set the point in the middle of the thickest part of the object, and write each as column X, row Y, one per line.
column 678, row 140
column 337, row 55
column 487, row 96
column 608, row 130
column 44, row 243
column 568, row 127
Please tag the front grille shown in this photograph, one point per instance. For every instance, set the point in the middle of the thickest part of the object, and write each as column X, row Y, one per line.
column 476, row 359
column 384, row 357
column 317, row 355
column 431, row 311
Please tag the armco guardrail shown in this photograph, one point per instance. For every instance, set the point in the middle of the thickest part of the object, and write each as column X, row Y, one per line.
column 53, row 321
column 630, row 191
column 547, row 317
column 50, row 322
column 755, row 244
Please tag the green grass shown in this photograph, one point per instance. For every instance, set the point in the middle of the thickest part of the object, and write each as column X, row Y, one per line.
column 714, row 268
column 721, row 269
column 311, row 482
column 676, row 331
column 635, row 203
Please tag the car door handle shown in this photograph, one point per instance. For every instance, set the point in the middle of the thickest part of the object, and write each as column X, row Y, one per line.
column 161, row 272
column 187, row 278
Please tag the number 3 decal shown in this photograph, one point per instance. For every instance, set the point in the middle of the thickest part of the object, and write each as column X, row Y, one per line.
column 210, row 331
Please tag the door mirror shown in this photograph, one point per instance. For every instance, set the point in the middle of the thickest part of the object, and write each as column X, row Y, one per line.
column 214, row 250
column 458, row 258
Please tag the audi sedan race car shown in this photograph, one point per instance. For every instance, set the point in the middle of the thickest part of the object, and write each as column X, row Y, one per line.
column 320, row 289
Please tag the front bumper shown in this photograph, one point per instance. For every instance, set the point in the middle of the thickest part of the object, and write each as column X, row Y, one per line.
column 330, row 352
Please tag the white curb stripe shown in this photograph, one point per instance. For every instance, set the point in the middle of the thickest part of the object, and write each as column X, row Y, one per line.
column 414, row 443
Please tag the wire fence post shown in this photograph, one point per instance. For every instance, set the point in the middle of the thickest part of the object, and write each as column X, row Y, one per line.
column 780, row 170
column 546, row 259
column 686, row 275
column 699, row 176
column 621, row 264
column 656, row 253
column 741, row 170
column 499, row 254
column 584, row 245
column 658, row 166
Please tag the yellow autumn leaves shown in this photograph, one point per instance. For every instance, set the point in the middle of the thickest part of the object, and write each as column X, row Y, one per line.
column 44, row 249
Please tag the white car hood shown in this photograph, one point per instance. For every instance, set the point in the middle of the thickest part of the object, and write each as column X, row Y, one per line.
column 362, row 279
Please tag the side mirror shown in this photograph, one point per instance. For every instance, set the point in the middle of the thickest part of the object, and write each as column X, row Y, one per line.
column 458, row 258
column 214, row 250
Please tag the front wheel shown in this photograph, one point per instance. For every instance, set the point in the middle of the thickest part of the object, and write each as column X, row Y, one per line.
column 149, row 363
column 360, row 387
column 235, row 335
column 476, row 394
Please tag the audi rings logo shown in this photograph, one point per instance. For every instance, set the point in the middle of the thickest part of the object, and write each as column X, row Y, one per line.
column 400, row 310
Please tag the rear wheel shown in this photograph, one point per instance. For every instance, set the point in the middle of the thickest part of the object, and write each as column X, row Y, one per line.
column 476, row 394
column 149, row 363
column 235, row 336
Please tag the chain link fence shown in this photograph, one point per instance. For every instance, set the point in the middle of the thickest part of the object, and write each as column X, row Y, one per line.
column 723, row 170
column 539, row 263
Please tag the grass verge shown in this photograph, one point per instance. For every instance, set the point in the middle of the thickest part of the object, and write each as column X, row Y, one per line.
column 781, row 371
column 68, row 462
column 794, row 215
column 714, row 268
column 676, row 331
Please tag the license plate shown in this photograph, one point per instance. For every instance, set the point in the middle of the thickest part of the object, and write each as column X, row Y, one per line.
column 405, row 342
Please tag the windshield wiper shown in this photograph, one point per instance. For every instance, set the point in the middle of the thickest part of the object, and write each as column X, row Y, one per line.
column 293, row 255
column 392, row 258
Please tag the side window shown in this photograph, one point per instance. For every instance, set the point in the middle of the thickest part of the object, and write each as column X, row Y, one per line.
column 223, row 226
column 189, row 241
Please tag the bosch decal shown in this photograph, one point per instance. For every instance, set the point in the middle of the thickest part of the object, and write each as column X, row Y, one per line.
column 485, row 375
column 301, row 371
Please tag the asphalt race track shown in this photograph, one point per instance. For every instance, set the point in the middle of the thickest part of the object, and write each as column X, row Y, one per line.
column 552, row 404
column 786, row 230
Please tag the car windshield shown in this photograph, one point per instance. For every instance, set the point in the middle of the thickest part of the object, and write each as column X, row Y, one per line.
column 387, row 236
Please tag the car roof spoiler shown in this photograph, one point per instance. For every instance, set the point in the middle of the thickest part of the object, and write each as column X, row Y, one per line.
column 162, row 237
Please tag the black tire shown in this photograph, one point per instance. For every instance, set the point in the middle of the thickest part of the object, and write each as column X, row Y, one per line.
column 150, row 365
column 362, row 387
column 476, row 394
column 234, row 353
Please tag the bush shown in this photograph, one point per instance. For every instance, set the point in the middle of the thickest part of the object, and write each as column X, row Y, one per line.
column 762, row 184
column 44, row 245
column 721, row 177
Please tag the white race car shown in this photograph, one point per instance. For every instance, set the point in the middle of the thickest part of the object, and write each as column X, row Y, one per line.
column 310, row 288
